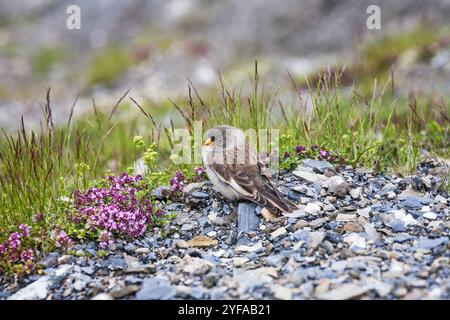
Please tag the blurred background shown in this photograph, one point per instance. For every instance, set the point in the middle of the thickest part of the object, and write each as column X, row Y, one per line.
column 153, row 47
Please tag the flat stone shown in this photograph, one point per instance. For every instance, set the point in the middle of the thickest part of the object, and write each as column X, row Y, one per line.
column 371, row 232
column 240, row 261
column 248, row 220
column 430, row 215
column 356, row 193
column 299, row 213
column 412, row 203
column 142, row 250
column 318, row 165
column 315, row 239
column 39, row 289
column 382, row 288
column 195, row 266
column 352, row 227
column 316, row 223
column 181, row 244
column 402, row 238
column 401, row 215
column 312, row 208
column 103, row 296
column 426, row 243
column 113, row 263
column 310, row 176
column 409, row 192
column 397, row 225
column 355, row 241
column 202, row 242
column 388, row 187
column 200, row 195
column 337, row 185
column 189, row 188
column 248, row 249
column 301, row 224
column 364, row 212
column 125, row 291
column 282, row 293
column 50, row 260
column 344, row 217
column 156, row 288
column 441, row 199
column 344, row 292
column 277, row 233
column 187, row 227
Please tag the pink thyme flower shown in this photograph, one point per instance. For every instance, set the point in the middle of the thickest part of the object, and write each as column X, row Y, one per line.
column 324, row 153
column 300, row 149
column 178, row 182
column 15, row 251
column 115, row 210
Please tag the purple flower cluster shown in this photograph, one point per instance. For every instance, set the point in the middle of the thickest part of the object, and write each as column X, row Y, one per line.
column 200, row 174
column 300, row 149
column 115, row 210
column 178, row 182
column 13, row 251
column 326, row 155
column 62, row 239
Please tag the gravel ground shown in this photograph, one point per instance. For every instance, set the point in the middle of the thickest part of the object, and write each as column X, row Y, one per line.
column 356, row 235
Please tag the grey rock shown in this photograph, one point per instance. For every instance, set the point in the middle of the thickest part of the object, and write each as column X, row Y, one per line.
column 113, row 263
column 344, row 292
column 402, row 238
column 50, row 260
column 318, row 165
column 150, row 289
column 162, row 192
column 87, row 270
column 187, row 227
column 248, row 220
column 294, row 195
column 226, row 209
column 274, row 260
column 337, row 185
column 397, row 225
column 130, row 248
column 310, row 176
column 426, row 243
column 316, row 223
column 39, row 289
column 192, row 186
column 315, row 239
column 200, row 195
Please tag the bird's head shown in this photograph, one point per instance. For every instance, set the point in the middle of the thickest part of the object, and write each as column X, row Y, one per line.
column 216, row 137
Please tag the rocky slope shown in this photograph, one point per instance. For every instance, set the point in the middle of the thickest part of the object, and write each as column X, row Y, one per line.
column 356, row 235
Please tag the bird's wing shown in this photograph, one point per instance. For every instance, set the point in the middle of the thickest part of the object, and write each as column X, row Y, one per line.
column 251, row 180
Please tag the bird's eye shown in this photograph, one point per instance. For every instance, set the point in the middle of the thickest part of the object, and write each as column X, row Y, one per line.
column 213, row 138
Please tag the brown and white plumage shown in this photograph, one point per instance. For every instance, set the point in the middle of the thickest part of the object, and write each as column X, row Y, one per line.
column 233, row 166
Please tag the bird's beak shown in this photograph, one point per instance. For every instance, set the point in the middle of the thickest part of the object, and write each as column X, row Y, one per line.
column 208, row 142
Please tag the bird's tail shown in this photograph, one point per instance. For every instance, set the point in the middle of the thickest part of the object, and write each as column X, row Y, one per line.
column 270, row 198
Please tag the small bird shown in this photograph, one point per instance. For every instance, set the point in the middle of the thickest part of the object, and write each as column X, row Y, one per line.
column 234, row 168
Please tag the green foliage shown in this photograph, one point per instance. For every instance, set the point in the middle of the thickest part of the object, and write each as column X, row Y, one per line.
column 108, row 65
column 45, row 59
